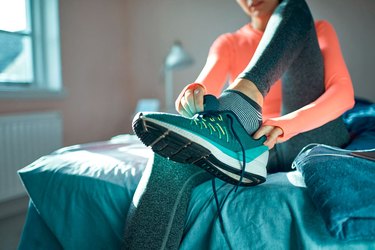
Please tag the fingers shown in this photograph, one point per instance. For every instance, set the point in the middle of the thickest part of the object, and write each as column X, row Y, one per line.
column 183, row 112
column 198, row 99
column 271, row 132
column 190, row 102
column 272, row 138
column 187, row 102
column 263, row 130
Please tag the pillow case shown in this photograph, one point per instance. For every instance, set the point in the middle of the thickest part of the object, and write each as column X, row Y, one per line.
column 84, row 192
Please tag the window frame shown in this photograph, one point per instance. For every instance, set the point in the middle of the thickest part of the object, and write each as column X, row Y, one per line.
column 46, row 57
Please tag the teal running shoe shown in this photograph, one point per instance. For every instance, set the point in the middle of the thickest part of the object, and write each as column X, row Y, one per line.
column 215, row 141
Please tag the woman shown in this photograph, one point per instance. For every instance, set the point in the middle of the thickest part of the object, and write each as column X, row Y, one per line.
column 281, row 65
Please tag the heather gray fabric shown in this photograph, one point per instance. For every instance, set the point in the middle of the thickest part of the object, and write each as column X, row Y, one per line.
column 162, row 198
column 247, row 110
column 289, row 31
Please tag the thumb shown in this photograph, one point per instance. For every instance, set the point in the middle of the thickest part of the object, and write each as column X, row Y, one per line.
column 263, row 130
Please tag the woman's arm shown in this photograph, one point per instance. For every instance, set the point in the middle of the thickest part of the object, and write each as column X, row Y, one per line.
column 211, row 80
column 215, row 72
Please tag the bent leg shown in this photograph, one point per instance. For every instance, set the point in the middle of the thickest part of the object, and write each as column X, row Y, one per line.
column 302, row 83
column 283, row 40
column 289, row 50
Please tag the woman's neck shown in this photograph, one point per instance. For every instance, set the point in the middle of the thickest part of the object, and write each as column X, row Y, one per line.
column 259, row 23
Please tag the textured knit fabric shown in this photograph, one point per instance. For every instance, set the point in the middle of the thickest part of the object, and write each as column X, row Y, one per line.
column 282, row 42
column 248, row 112
column 157, row 214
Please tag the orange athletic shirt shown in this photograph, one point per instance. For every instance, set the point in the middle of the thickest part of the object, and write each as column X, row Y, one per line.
column 230, row 54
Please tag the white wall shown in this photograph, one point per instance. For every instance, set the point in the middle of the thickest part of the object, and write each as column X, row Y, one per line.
column 154, row 25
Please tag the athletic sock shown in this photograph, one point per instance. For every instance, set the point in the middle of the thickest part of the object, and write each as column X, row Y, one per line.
column 248, row 111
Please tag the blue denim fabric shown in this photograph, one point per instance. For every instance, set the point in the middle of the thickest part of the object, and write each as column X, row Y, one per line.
column 342, row 187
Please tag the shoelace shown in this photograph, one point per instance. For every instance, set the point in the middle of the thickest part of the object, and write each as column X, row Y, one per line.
column 222, row 131
column 206, row 120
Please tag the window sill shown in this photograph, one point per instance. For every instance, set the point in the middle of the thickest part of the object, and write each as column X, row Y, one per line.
column 16, row 94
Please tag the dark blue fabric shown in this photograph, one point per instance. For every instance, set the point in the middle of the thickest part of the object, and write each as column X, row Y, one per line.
column 360, row 122
column 342, row 187
column 365, row 140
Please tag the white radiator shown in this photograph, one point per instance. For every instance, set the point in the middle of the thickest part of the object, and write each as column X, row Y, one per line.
column 23, row 139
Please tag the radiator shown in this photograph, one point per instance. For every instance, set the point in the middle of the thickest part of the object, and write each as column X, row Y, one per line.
column 23, row 139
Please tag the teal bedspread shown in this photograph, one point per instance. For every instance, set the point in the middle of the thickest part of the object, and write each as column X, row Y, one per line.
column 80, row 196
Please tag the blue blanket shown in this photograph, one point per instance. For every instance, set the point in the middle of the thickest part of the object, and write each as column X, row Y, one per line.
column 342, row 187
column 81, row 195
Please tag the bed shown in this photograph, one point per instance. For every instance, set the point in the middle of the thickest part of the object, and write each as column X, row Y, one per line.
column 80, row 197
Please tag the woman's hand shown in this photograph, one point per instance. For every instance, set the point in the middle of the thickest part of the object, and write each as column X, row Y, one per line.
column 271, row 132
column 190, row 100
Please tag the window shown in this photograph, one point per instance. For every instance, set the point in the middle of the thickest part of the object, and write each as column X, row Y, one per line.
column 29, row 49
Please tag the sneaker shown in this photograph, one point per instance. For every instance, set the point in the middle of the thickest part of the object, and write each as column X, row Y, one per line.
column 215, row 141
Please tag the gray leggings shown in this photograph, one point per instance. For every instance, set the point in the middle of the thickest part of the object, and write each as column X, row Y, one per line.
column 288, row 50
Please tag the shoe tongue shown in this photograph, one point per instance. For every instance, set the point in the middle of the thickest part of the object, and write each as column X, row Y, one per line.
column 210, row 103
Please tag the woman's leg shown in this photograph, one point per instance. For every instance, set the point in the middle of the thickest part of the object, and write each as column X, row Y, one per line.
column 157, row 216
column 289, row 50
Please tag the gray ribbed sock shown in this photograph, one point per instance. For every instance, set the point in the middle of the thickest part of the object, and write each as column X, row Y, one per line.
column 247, row 110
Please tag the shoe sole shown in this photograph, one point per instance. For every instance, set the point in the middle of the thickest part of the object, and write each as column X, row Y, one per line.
column 178, row 148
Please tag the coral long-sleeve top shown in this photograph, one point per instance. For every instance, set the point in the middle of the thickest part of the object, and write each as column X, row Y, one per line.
column 230, row 54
